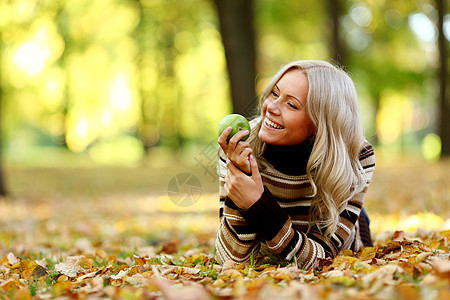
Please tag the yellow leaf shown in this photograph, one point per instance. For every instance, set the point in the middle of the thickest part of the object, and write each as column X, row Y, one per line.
column 361, row 267
column 346, row 252
column 408, row 292
column 231, row 274
column 86, row 263
column 60, row 288
column 27, row 265
column 443, row 294
column 30, row 269
column 265, row 268
column 434, row 244
column 115, row 282
column 101, row 253
column 9, row 286
column 445, row 233
column 343, row 262
column 62, row 278
column 22, row 294
column 219, row 283
column 368, row 253
column 341, row 280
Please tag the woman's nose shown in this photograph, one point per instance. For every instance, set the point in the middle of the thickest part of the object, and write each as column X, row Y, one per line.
column 272, row 107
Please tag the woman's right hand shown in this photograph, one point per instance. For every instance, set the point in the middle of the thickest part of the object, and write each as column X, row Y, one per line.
column 236, row 150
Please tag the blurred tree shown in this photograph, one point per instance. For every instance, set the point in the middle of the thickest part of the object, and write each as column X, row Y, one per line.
column 444, row 111
column 147, row 130
column 3, row 191
column 168, row 89
column 385, row 55
column 62, row 20
column 238, row 37
column 337, row 49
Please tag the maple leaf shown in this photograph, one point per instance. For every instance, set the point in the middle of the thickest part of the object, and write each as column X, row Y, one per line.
column 74, row 265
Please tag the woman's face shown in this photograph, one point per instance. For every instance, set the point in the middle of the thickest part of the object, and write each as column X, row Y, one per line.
column 285, row 120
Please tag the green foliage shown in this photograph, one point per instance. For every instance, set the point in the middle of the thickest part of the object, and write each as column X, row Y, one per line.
column 114, row 78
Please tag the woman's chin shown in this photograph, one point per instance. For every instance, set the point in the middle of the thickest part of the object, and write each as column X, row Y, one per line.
column 267, row 137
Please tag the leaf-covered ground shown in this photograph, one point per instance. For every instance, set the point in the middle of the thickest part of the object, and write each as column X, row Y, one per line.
column 114, row 233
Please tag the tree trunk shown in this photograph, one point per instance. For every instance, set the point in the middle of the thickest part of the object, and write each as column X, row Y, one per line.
column 3, row 191
column 139, row 33
column 337, row 50
column 63, row 30
column 238, row 38
column 444, row 111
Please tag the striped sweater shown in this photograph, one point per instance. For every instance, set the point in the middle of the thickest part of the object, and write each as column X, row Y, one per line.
column 278, row 221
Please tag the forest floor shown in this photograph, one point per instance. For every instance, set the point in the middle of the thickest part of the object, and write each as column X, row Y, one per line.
column 81, row 232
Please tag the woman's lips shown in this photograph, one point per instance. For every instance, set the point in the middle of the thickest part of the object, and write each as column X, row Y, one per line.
column 272, row 125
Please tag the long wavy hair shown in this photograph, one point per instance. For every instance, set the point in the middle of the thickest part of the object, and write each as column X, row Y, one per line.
column 333, row 168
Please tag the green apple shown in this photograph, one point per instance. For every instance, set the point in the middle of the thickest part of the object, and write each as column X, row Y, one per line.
column 237, row 122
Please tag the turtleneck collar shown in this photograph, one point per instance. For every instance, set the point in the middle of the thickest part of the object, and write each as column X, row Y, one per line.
column 289, row 159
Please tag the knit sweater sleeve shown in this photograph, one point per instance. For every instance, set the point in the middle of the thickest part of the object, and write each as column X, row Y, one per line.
column 274, row 224
column 236, row 239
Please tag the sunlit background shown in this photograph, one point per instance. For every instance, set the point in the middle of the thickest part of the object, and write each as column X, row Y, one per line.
column 126, row 82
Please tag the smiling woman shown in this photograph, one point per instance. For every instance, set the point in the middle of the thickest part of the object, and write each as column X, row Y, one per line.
column 296, row 188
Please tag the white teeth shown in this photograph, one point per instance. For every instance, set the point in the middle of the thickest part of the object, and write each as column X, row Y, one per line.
column 273, row 125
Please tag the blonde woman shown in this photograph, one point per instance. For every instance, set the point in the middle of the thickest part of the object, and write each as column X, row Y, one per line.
column 296, row 188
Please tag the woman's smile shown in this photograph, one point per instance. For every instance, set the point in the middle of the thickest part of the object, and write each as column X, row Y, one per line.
column 272, row 125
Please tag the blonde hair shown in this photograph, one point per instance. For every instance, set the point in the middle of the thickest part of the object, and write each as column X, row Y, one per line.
column 333, row 168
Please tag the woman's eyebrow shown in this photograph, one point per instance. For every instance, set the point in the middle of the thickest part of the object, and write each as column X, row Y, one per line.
column 290, row 96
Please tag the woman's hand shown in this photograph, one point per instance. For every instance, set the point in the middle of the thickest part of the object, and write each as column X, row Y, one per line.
column 236, row 150
column 244, row 190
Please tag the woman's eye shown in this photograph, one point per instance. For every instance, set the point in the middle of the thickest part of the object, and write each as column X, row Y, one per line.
column 292, row 105
column 274, row 94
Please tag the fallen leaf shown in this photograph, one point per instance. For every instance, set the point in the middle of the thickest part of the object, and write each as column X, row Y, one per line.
column 12, row 259
column 170, row 247
column 442, row 268
column 383, row 274
column 73, row 266
column 368, row 253
column 343, row 262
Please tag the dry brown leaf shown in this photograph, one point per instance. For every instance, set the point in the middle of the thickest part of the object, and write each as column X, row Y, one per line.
column 230, row 274
column 442, row 268
column 73, row 265
column 170, row 247
column 189, row 271
column 229, row 264
column 9, row 285
column 333, row 273
column 382, row 274
column 423, row 256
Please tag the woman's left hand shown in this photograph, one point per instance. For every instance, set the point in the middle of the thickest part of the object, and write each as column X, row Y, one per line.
column 243, row 189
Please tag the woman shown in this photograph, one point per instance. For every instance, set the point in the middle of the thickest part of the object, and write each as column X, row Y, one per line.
column 297, row 187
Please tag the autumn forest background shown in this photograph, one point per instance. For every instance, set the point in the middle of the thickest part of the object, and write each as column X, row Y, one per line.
column 103, row 104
